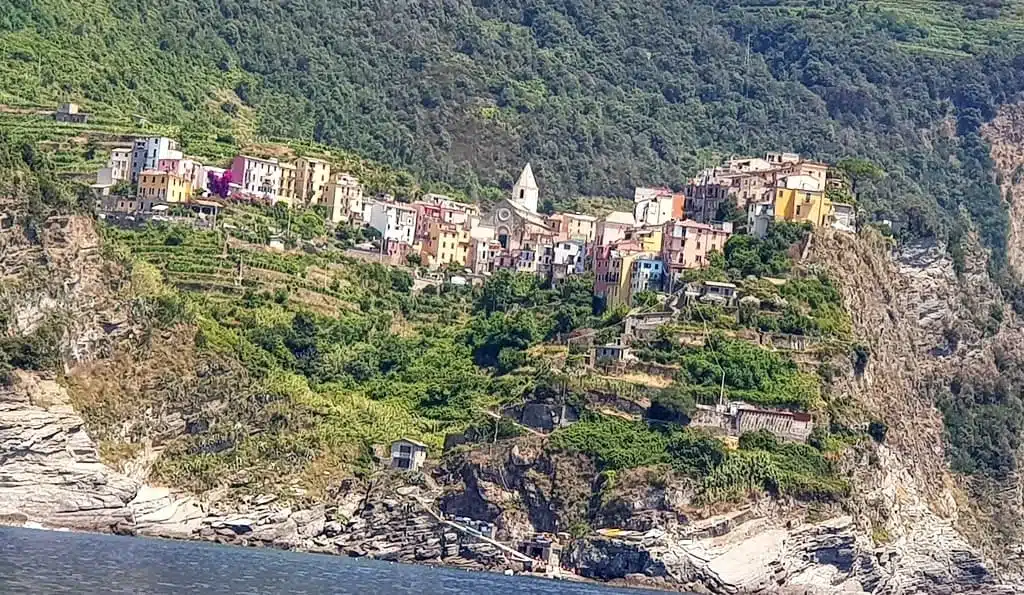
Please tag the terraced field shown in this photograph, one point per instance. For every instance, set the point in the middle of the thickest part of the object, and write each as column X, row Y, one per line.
column 202, row 265
column 936, row 26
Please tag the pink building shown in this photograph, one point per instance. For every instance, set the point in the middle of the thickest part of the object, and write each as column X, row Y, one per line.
column 613, row 227
column 189, row 169
column 686, row 244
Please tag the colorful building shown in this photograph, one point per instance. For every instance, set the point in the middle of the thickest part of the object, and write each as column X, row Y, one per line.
column 573, row 226
column 613, row 227
column 613, row 266
column 162, row 186
column 312, row 177
column 656, row 206
column 646, row 274
column 686, row 244
column 287, row 193
column 147, row 152
column 343, row 198
column 799, row 199
column 447, row 244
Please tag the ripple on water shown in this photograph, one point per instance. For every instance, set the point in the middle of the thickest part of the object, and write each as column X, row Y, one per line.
column 42, row 562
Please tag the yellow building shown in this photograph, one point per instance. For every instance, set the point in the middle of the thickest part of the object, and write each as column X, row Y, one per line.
column 163, row 186
column 798, row 199
column 311, row 179
column 648, row 238
column 447, row 243
column 287, row 192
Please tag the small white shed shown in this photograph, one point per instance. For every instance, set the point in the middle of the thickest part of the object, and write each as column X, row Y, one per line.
column 408, row 454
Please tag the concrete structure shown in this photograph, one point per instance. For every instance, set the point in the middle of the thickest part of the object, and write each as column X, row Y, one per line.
column 70, row 113
column 257, row 178
column 656, row 206
column 611, row 353
column 408, row 454
column 525, row 192
column 760, row 216
column 120, row 204
column 162, row 186
column 737, row 418
column 544, row 549
column 686, row 244
column 120, row 164
column 147, row 153
column 311, row 179
column 395, row 222
column 104, row 182
column 844, row 217
column 711, row 292
column 573, row 226
column 343, row 198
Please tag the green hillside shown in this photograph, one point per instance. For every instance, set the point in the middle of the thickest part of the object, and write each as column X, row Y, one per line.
column 598, row 95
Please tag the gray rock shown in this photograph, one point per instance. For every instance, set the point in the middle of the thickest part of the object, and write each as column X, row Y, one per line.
column 50, row 471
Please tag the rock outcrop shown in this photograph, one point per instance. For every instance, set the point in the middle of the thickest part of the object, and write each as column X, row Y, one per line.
column 50, row 471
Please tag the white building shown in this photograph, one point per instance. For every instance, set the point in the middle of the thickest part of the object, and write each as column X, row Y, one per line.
column 844, row 217
column 525, row 192
column 147, row 153
column 656, row 206
column 257, row 177
column 395, row 222
column 408, row 454
column 120, row 164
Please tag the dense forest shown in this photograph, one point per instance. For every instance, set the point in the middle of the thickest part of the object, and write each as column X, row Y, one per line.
column 598, row 95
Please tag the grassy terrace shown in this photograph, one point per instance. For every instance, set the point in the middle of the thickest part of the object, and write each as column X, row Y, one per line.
column 942, row 27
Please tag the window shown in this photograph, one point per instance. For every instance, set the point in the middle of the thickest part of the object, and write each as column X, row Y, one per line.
column 403, row 463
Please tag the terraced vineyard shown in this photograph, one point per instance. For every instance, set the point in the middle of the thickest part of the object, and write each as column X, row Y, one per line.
column 935, row 26
column 199, row 262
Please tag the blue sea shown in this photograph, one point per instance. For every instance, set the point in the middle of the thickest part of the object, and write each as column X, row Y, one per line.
column 40, row 562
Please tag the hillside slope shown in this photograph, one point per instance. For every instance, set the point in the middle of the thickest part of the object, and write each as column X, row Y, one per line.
column 599, row 96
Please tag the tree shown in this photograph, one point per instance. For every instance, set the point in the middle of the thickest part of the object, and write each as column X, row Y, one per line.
column 673, row 404
column 859, row 170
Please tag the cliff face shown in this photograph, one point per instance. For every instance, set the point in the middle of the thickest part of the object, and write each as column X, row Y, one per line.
column 50, row 470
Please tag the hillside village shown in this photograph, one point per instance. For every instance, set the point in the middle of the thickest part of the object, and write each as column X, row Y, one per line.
column 660, row 249
column 667, row 233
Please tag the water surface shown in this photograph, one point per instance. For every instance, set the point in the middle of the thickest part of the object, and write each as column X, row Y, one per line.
column 43, row 562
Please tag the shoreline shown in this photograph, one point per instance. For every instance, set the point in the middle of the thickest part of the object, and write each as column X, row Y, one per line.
column 562, row 576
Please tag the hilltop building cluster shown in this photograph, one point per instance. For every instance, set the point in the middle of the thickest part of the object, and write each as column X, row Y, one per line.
column 649, row 248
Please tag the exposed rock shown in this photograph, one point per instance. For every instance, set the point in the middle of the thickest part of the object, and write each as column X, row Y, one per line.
column 50, row 471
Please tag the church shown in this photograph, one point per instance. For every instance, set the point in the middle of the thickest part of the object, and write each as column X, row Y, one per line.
column 525, row 236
